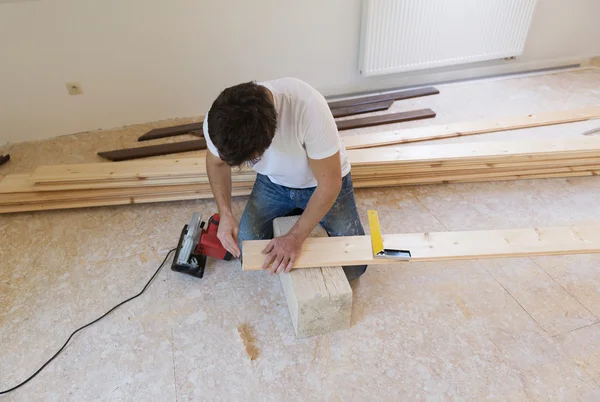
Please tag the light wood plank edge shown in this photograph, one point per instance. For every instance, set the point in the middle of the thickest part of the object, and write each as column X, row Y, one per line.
column 471, row 128
column 439, row 246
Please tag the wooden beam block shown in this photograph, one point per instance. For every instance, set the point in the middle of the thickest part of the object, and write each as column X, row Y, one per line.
column 440, row 246
column 385, row 119
column 319, row 299
column 471, row 128
column 153, row 150
column 396, row 95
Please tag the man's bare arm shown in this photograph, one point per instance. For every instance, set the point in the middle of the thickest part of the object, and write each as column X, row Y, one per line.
column 282, row 250
column 328, row 173
column 219, row 176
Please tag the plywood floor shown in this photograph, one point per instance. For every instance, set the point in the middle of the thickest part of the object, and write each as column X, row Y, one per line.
column 518, row 329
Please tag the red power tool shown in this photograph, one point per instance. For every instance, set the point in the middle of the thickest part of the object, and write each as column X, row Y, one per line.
column 196, row 244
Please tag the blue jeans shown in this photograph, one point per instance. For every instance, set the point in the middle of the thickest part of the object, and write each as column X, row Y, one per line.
column 269, row 201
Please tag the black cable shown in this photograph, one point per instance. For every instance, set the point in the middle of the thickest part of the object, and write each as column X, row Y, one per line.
column 87, row 325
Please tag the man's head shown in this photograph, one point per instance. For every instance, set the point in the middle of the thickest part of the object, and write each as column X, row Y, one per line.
column 242, row 123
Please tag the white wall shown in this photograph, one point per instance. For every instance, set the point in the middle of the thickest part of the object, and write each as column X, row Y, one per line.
column 147, row 60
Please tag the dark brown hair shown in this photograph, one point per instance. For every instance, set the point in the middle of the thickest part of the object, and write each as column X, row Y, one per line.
column 242, row 122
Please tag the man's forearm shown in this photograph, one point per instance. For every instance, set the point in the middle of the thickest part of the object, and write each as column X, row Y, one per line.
column 219, row 177
column 319, row 204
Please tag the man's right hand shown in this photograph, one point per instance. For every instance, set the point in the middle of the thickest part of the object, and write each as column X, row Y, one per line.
column 228, row 234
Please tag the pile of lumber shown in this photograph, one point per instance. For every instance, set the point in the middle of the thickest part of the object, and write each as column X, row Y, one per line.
column 103, row 184
column 472, row 162
column 98, row 184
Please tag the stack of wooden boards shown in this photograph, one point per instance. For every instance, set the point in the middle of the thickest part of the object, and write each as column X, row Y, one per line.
column 472, row 162
column 145, row 181
column 97, row 184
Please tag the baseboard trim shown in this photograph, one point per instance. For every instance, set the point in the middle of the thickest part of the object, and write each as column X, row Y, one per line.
column 507, row 69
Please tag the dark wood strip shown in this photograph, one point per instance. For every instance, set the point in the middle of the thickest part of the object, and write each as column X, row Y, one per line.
column 397, row 95
column 153, row 150
column 359, row 109
column 4, row 159
column 385, row 119
column 171, row 131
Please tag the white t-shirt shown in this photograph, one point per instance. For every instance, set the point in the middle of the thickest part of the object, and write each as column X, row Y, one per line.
column 305, row 129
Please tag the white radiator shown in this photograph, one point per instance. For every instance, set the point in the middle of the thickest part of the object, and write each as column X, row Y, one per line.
column 406, row 35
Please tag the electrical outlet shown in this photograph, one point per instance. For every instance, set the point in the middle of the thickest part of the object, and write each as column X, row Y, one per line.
column 74, row 88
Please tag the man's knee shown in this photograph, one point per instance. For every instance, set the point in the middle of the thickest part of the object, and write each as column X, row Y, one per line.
column 354, row 271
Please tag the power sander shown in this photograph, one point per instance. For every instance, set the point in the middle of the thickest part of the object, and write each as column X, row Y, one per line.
column 196, row 243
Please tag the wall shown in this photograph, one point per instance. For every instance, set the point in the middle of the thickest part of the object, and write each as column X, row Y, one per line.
column 147, row 60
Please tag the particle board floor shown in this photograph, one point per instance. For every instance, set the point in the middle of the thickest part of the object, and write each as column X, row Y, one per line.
column 518, row 329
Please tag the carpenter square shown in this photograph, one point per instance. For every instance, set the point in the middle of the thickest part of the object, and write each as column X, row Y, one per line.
column 379, row 251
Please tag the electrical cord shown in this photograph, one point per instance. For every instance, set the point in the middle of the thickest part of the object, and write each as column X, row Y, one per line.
column 87, row 325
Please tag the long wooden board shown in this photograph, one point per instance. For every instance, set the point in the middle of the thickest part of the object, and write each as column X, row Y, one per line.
column 439, row 246
column 538, row 173
column 171, row 131
column 158, row 181
column 360, row 109
column 29, row 195
column 395, row 95
column 471, row 128
column 144, row 199
column 385, row 119
column 502, row 151
column 153, row 150
column 184, row 167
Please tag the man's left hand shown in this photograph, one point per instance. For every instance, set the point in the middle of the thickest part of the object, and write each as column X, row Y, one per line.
column 281, row 252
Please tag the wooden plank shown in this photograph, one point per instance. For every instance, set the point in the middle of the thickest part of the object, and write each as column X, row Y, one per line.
column 471, row 128
column 319, row 299
column 514, row 177
column 125, row 169
column 172, row 131
column 455, row 174
column 369, row 172
column 168, row 181
column 153, row 150
column 360, row 109
column 385, row 119
column 130, row 170
column 34, row 197
column 440, row 246
column 533, row 174
column 501, row 151
column 396, row 95
column 47, row 206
